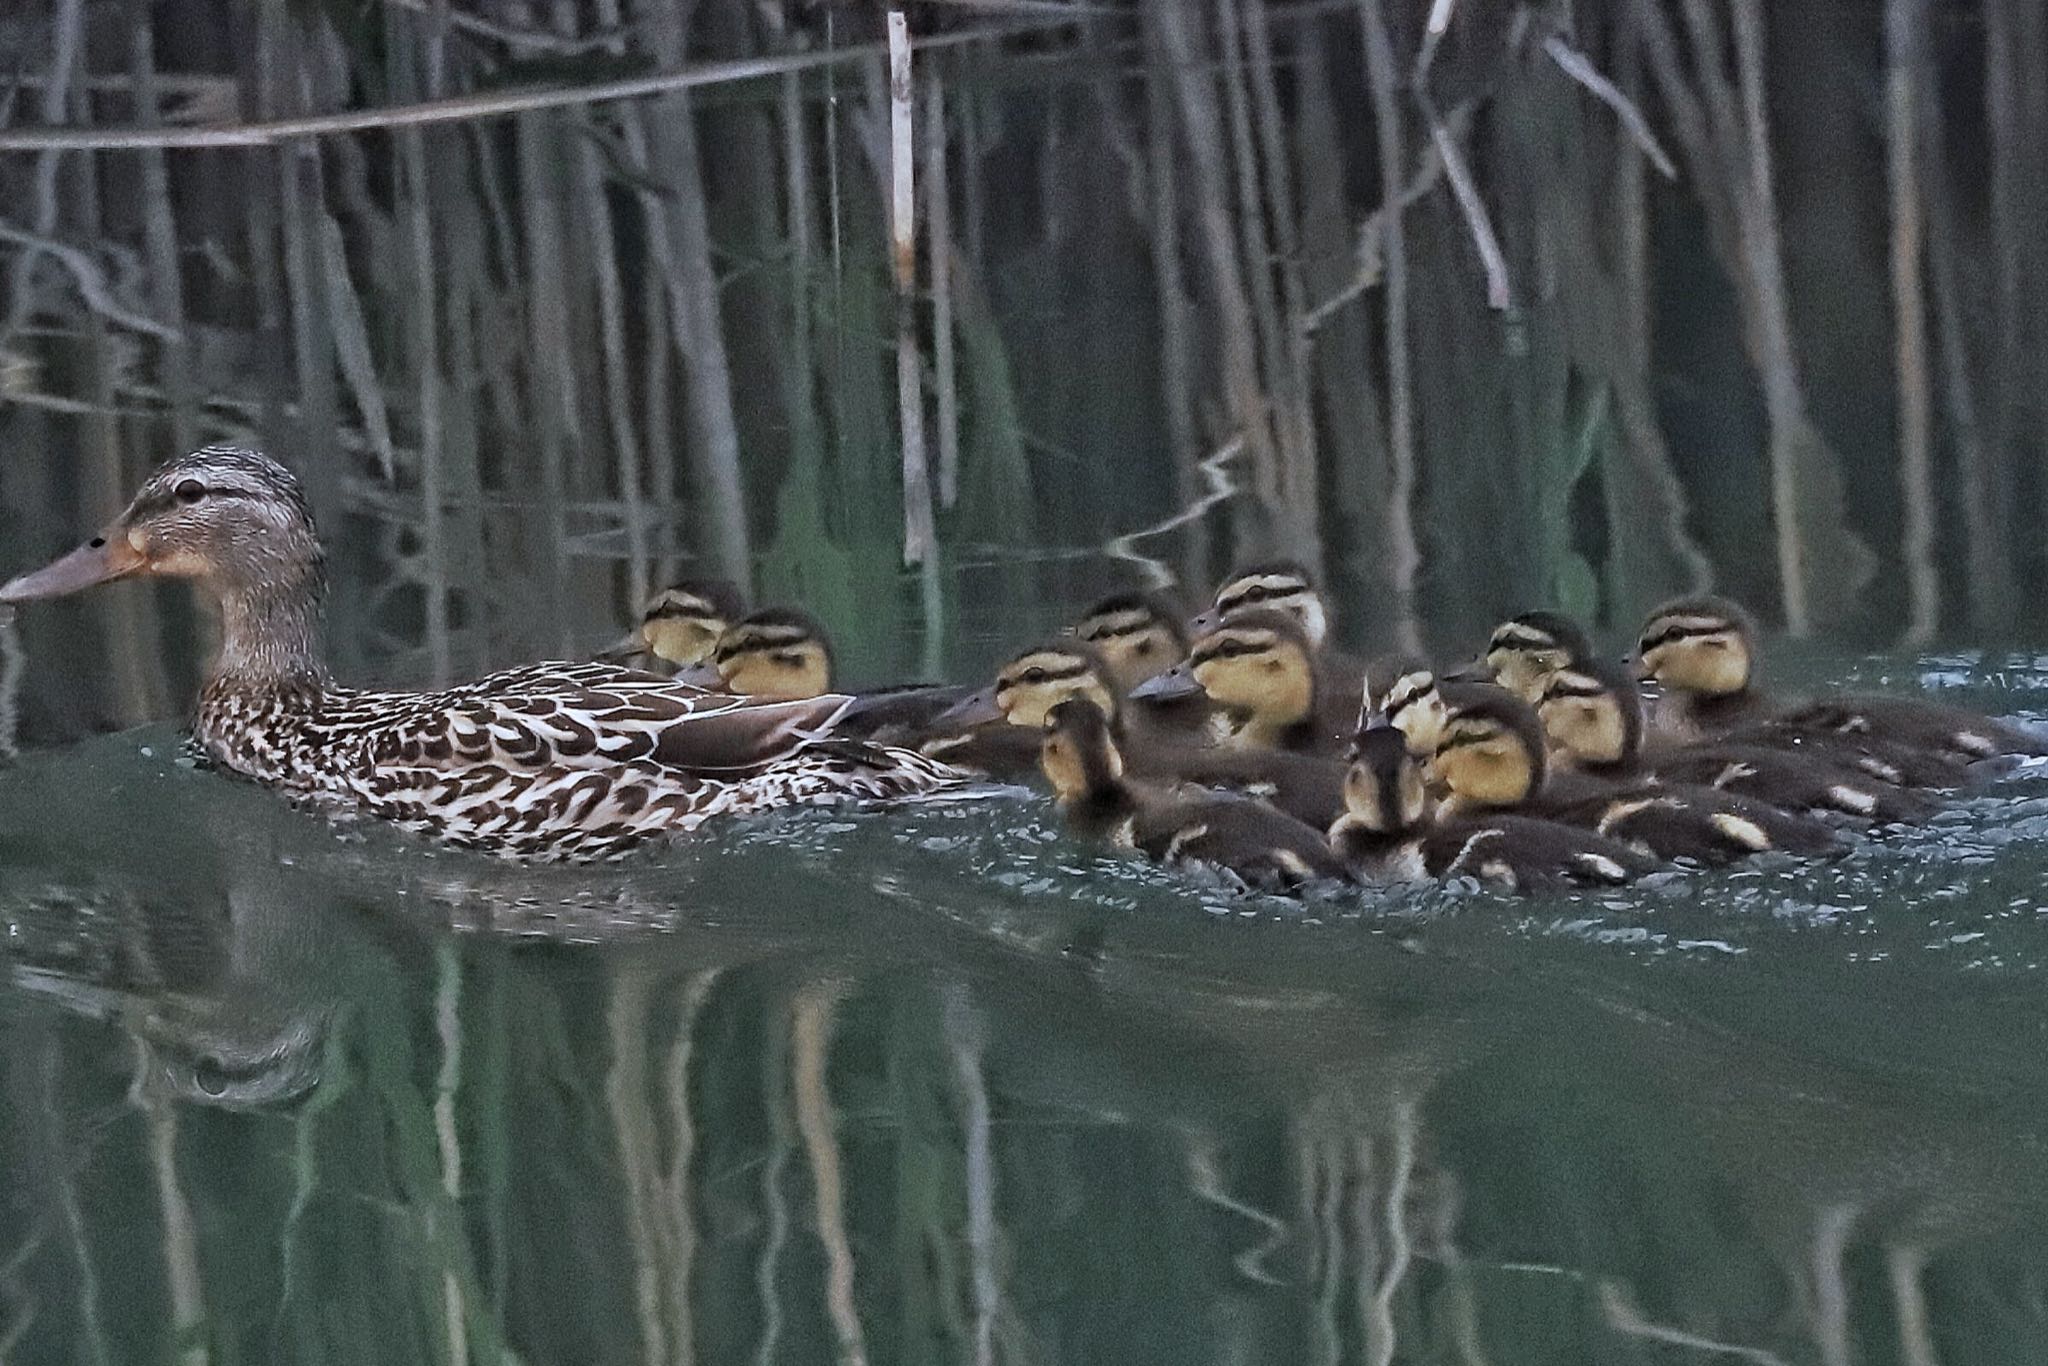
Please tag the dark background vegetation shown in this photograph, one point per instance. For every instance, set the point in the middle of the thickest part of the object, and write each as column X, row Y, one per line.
column 1475, row 305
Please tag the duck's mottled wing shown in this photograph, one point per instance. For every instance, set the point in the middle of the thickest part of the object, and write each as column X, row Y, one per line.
column 595, row 716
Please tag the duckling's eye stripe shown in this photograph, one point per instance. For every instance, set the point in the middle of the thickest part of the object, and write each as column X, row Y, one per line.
column 1522, row 640
column 1226, row 649
column 1256, row 593
column 1110, row 628
column 1678, row 631
column 1051, row 675
column 669, row 611
column 1558, row 692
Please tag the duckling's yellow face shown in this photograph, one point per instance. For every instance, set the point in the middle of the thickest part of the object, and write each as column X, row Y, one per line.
column 1255, row 671
column 1703, row 653
column 1414, row 707
column 1583, row 718
column 1484, row 761
column 1031, row 685
column 1522, row 659
column 773, row 660
column 1384, row 789
column 1275, row 591
column 1134, row 644
column 681, row 627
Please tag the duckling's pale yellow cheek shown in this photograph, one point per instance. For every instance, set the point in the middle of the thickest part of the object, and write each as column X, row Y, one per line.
column 1522, row 672
column 1423, row 725
column 1714, row 667
column 678, row 642
column 1490, row 775
column 765, row 678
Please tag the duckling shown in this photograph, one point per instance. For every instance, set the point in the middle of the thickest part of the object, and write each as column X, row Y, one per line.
column 1594, row 719
column 998, row 730
column 1492, row 756
column 982, row 732
column 1525, row 650
column 782, row 653
column 1139, row 635
column 1386, row 833
column 1259, row 670
column 1255, row 843
column 1283, row 586
column 1704, row 652
column 679, row 626
column 775, row 652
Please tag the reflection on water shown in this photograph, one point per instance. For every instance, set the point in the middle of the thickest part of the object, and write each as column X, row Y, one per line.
column 942, row 1085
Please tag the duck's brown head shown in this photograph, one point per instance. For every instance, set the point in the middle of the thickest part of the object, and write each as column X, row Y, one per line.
column 1383, row 789
column 1701, row 645
column 1275, row 586
column 1031, row 683
column 234, row 520
column 1593, row 714
column 1524, row 651
column 1079, row 755
column 1491, row 751
column 1257, row 666
column 682, row 622
column 777, row 652
column 1139, row 636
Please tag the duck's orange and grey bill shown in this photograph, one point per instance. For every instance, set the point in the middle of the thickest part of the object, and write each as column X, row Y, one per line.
column 101, row 560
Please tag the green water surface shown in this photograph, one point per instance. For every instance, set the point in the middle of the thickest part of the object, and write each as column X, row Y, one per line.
column 944, row 1085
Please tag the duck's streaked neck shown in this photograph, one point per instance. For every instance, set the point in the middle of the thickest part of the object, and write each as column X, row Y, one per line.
column 270, row 634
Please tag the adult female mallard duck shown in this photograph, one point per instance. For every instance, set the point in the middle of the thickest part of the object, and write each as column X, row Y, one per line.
column 1387, row 833
column 1098, row 798
column 1703, row 651
column 679, row 626
column 1492, row 757
column 549, row 761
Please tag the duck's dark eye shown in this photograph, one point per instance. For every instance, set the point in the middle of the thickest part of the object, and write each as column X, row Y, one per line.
column 1034, row 675
column 189, row 491
column 210, row 1077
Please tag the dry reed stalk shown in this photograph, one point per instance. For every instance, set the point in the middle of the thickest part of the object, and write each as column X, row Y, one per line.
column 1905, row 51
column 945, row 366
column 918, row 536
column 1404, row 556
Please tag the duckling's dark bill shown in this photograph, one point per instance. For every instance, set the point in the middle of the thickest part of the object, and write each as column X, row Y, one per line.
column 975, row 709
column 1177, row 682
column 103, row 559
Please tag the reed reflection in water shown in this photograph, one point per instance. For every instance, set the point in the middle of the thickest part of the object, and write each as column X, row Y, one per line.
column 943, row 1086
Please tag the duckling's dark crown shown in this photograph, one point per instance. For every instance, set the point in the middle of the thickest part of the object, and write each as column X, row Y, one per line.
column 709, row 599
column 1691, row 619
column 1250, row 634
column 1128, row 611
column 1263, row 583
column 1540, row 631
column 1057, row 661
column 774, row 628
